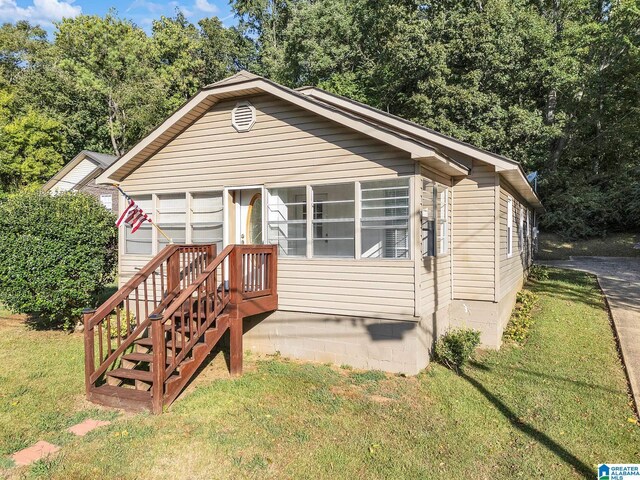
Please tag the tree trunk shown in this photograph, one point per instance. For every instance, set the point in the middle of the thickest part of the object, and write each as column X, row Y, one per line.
column 113, row 108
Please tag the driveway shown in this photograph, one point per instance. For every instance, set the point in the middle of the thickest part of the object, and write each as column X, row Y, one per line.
column 619, row 279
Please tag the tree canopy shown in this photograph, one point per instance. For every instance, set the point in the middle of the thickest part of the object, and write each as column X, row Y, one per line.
column 553, row 85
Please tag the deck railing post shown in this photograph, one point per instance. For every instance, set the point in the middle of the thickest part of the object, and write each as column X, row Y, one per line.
column 212, row 252
column 159, row 362
column 89, row 349
column 273, row 270
column 173, row 271
column 235, row 316
column 235, row 275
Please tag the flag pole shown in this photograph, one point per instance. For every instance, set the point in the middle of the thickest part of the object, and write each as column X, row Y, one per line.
column 162, row 232
column 151, row 222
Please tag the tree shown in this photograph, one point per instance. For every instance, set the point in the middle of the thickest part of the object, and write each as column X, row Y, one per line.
column 177, row 44
column 56, row 255
column 224, row 50
column 20, row 48
column 111, row 62
column 32, row 149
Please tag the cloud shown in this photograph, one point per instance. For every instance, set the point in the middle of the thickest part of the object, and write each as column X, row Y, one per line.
column 205, row 6
column 148, row 6
column 41, row 11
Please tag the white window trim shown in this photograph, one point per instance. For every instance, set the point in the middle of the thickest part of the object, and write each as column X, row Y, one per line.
column 357, row 219
column 442, row 234
column 509, row 227
column 521, row 229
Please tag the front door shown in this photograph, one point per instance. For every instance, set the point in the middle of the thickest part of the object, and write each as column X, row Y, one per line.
column 249, row 227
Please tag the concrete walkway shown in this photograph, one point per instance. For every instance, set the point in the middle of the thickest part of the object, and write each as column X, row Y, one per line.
column 619, row 279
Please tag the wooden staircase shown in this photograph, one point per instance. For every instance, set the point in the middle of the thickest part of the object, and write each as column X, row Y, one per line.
column 145, row 343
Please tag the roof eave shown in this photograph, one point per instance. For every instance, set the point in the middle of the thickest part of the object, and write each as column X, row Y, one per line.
column 415, row 148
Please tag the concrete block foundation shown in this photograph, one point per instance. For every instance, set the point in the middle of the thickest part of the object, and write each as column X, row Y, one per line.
column 377, row 344
column 390, row 345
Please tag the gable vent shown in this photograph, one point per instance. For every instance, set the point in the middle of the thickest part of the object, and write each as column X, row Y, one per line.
column 243, row 116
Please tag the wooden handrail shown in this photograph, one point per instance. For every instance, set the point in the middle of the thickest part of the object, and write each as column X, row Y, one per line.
column 95, row 375
column 183, row 293
column 136, row 280
column 116, row 324
column 188, row 292
column 128, row 287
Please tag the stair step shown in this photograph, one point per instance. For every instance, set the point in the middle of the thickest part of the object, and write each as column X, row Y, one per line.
column 132, row 374
column 187, row 328
column 128, row 393
column 118, row 397
column 148, row 342
column 142, row 357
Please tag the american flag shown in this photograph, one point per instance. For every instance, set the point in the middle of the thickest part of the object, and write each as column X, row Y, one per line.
column 134, row 216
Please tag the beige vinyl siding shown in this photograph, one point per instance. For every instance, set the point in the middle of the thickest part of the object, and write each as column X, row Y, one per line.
column 287, row 146
column 347, row 287
column 512, row 268
column 474, row 234
column 435, row 272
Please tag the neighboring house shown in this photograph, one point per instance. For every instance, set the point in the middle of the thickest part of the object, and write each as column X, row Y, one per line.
column 80, row 175
column 388, row 233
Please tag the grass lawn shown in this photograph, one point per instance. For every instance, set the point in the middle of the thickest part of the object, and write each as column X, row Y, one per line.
column 554, row 409
column 552, row 247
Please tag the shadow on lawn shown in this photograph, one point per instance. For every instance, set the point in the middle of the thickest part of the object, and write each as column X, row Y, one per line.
column 530, row 431
column 557, row 378
column 562, row 284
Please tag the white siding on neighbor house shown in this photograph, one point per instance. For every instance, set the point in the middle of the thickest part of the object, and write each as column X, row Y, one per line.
column 474, row 234
column 287, row 146
column 435, row 272
column 75, row 176
column 512, row 268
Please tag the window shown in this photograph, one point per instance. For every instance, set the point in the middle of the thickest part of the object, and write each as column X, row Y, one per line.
column 334, row 220
column 442, row 199
column 385, row 219
column 435, row 219
column 428, row 218
column 286, row 220
column 107, row 201
column 521, row 229
column 171, row 217
column 509, row 227
column 139, row 243
column 207, row 216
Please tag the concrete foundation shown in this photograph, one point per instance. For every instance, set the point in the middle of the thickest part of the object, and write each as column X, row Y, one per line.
column 396, row 346
column 489, row 317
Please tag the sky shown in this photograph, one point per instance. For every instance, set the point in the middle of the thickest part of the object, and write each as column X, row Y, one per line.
column 142, row 12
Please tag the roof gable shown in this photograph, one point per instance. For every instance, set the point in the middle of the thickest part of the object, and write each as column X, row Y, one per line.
column 421, row 143
column 244, row 85
column 101, row 161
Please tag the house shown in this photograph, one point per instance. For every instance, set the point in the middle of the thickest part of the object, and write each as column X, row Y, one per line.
column 387, row 233
column 80, row 175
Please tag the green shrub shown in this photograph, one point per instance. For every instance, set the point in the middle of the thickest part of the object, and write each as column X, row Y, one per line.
column 114, row 332
column 538, row 272
column 519, row 326
column 56, row 254
column 456, row 347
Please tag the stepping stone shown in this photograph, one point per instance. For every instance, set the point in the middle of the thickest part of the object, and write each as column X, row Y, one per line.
column 81, row 429
column 34, row 453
